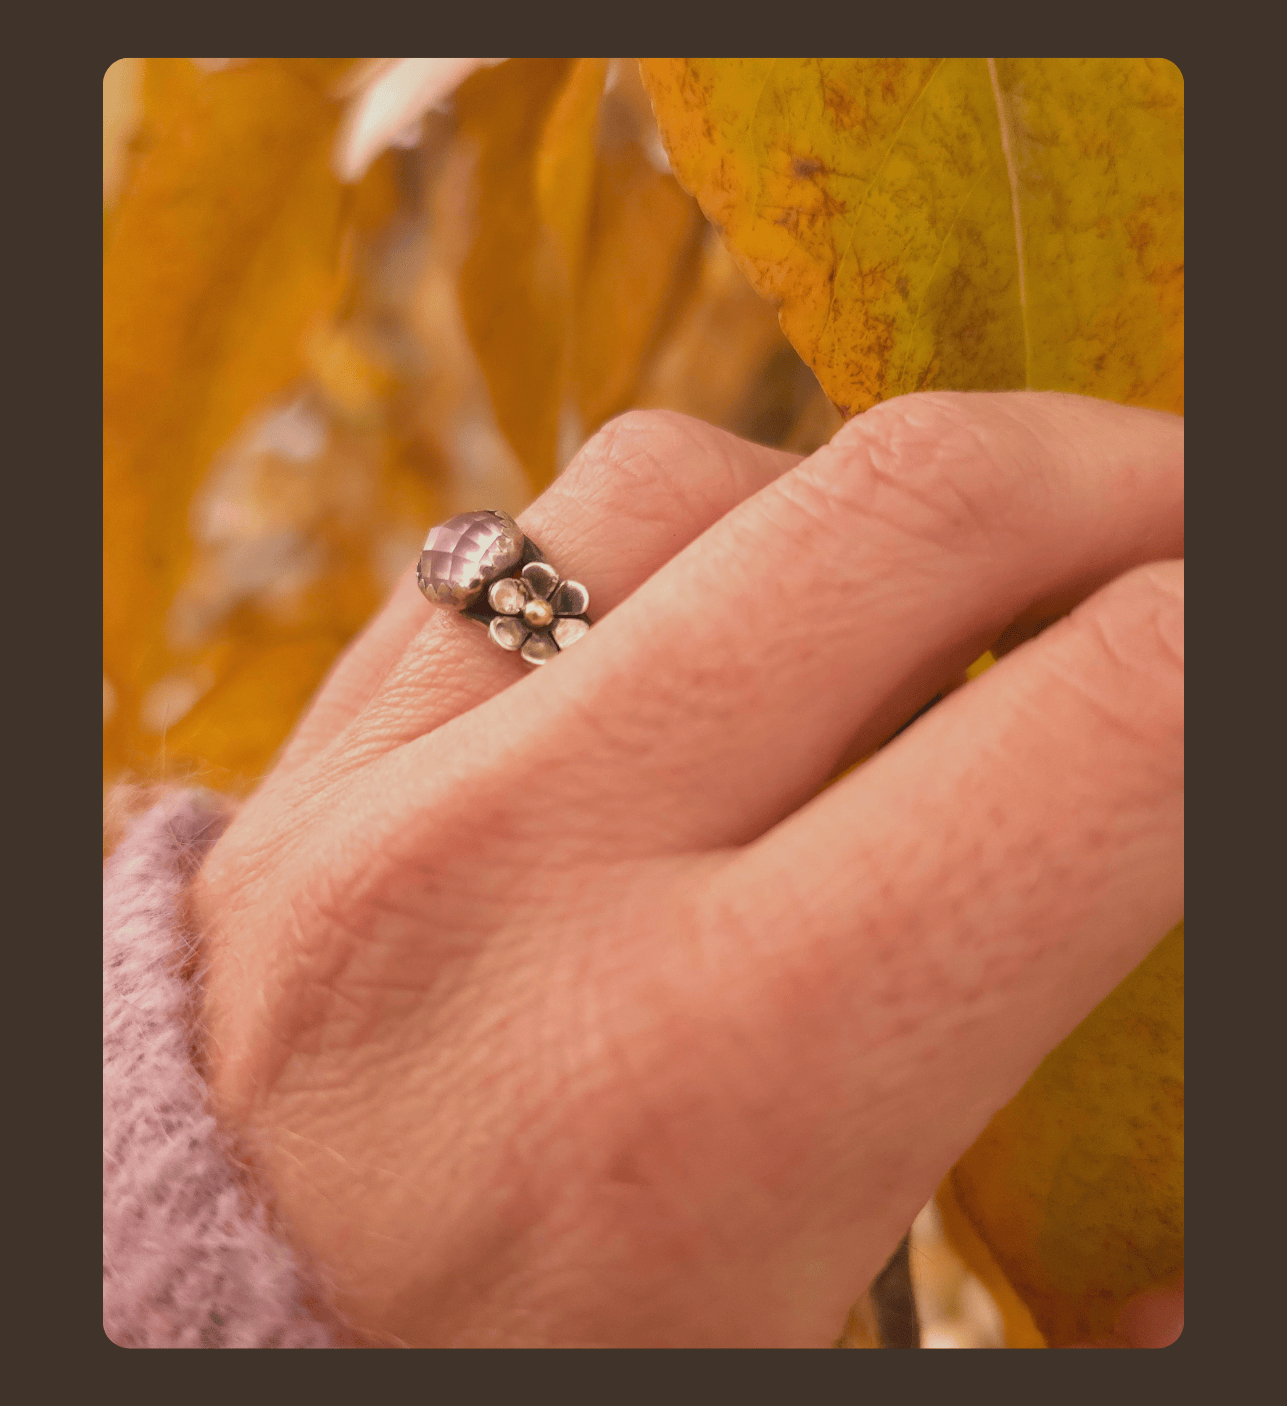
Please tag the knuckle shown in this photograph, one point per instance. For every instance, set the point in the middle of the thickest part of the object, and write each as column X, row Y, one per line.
column 636, row 442
column 1128, row 656
column 950, row 470
column 633, row 459
column 1138, row 621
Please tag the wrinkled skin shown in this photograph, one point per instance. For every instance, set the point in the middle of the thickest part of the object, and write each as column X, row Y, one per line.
column 559, row 1008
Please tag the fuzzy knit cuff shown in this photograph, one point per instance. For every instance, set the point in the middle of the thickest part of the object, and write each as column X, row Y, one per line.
column 190, row 1254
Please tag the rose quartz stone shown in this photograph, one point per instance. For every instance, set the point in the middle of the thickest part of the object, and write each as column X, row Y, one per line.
column 465, row 554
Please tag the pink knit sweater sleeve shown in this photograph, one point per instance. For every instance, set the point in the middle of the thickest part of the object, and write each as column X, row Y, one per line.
column 191, row 1257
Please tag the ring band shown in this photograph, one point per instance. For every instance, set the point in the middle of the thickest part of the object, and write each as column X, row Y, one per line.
column 481, row 565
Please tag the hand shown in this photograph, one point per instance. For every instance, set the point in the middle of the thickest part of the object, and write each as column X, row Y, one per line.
column 559, row 1008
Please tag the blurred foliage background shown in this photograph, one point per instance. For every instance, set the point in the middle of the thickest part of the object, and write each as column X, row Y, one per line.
column 297, row 366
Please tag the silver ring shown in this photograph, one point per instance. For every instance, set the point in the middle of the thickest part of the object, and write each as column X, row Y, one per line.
column 481, row 565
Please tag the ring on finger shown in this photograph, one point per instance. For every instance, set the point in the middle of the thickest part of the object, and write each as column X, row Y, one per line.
column 483, row 566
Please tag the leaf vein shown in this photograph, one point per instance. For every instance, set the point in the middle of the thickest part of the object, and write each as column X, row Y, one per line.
column 1007, row 148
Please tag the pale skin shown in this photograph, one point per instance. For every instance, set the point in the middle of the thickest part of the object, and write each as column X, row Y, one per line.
column 571, row 1007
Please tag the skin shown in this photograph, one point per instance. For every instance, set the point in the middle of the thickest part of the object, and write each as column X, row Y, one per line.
column 571, row 1007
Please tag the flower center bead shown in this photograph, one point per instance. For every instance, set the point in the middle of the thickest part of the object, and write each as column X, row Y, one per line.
column 538, row 613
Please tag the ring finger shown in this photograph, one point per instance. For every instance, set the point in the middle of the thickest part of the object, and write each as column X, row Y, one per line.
column 639, row 491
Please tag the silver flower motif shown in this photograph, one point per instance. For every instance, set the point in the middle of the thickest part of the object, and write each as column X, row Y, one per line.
column 536, row 613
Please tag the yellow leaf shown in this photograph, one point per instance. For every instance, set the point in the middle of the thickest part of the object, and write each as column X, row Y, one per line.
column 1020, row 1330
column 645, row 241
column 515, row 284
column 227, row 737
column 1077, row 1185
column 356, row 382
column 565, row 162
column 223, row 251
column 980, row 665
column 644, row 244
column 948, row 223
column 122, row 107
column 861, row 1329
column 723, row 360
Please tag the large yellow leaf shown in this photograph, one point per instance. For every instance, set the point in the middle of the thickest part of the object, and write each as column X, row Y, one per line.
column 981, row 224
column 1077, row 1184
column 958, row 223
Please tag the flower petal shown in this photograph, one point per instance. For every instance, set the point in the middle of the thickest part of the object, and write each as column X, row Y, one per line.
column 540, row 648
column 571, row 598
column 508, row 631
column 541, row 577
column 508, row 595
column 568, row 630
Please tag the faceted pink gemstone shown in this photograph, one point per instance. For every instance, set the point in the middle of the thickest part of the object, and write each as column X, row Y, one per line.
column 466, row 553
